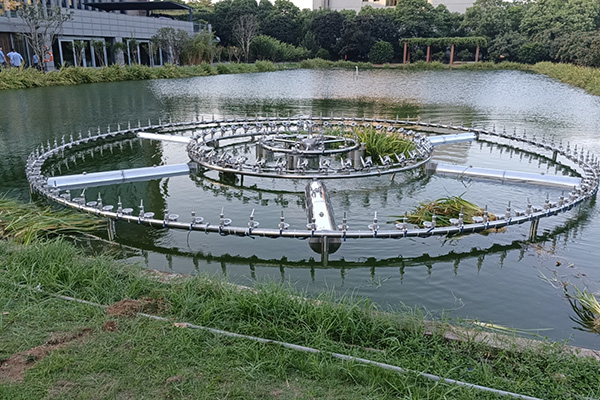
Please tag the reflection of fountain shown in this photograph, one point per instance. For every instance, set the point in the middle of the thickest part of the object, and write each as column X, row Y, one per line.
column 319, row 149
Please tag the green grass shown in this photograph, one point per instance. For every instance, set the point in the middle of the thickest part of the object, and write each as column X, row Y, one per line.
column 586, row 78
column 29, row 78
column 381, row 143
column 582, row 77
column 444, row 209
column 153, row 359
column 27, row 223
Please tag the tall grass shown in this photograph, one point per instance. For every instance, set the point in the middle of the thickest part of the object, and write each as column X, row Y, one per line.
column 583, row 77
column 381, row 144
column 444, row 208
column 27, row 223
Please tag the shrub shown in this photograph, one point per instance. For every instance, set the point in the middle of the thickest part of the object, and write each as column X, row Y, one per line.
column 323, row 54
column 264, row 47
column 533, row 52
column 381, row 52
column 465, row 55
column 265, row 66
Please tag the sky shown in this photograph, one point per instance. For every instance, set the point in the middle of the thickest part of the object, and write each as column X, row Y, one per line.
column 303, row 3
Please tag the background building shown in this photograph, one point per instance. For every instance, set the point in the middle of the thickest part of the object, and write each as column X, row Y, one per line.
column 89, row 38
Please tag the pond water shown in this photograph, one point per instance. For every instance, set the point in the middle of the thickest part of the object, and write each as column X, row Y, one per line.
column 500, row 277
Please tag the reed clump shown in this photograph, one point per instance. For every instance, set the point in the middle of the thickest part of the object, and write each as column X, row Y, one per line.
column 445, row 209
column 587, row 308
column 26, row 223
column 380, row 143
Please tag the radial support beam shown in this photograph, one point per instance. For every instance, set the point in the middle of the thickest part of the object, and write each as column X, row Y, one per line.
column 505, row 176
column 320, row 218
column 164, row 138
column 455, row 138
column 118, row 176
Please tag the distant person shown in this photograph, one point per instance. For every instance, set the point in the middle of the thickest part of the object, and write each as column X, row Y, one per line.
column 16, row 60
column 36, row 62
column 2, row 59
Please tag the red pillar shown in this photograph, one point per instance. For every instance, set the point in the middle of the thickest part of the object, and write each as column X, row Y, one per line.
column 477, row 54
column 405, row 49
column 428, row 58
column 452, row 54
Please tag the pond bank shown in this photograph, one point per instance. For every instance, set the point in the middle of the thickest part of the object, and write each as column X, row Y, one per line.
column 110, row 348
column 582, row 77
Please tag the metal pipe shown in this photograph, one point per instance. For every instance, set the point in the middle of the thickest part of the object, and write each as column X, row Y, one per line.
column 117, row 176
column 455, row 138
column 164, row 138
column 505, row 176
column 320, row 216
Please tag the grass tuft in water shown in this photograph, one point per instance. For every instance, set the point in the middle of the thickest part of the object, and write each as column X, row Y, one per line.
column 587, row 308
column 444, row 208
column 27, row 223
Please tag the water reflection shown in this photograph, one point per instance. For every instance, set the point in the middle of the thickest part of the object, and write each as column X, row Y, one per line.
column 496, row 277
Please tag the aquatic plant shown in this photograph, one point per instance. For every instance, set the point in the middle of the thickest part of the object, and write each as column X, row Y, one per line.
column 444, row 208
column 381, row 143
column 26, row 223
column 586, row 307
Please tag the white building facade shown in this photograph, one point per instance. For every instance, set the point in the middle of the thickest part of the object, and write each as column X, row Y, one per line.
column 129, row 22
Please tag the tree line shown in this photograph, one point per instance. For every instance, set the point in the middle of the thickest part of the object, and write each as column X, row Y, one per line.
column 524, row 31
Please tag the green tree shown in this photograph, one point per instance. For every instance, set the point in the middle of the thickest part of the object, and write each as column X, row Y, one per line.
column 532, row 52
column 381, row 52
column 171, row 41
column 79, row 47
column 327, row 28
column 491, row 18
column 98, row 46
column 546, row 20
column 282, row 22
column 309, row 42
column 201, row 48
column 448, row 24
column 506, row 47
column 416, row 18
column 359, row 34
column 579, row 48
column 226, row 14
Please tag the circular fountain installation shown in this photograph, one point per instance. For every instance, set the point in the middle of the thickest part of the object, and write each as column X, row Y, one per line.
column 314, row 150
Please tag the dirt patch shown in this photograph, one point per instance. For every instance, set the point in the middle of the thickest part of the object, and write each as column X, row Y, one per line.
column 130, row 307
column 127, row 307
column 13, row 369
column 110, row 326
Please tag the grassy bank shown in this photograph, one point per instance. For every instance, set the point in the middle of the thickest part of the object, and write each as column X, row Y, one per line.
column 583, row 77
column 72, row 350
column 30, row 78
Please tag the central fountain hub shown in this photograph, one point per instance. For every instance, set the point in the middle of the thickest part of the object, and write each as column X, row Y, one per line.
column 309, row 149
